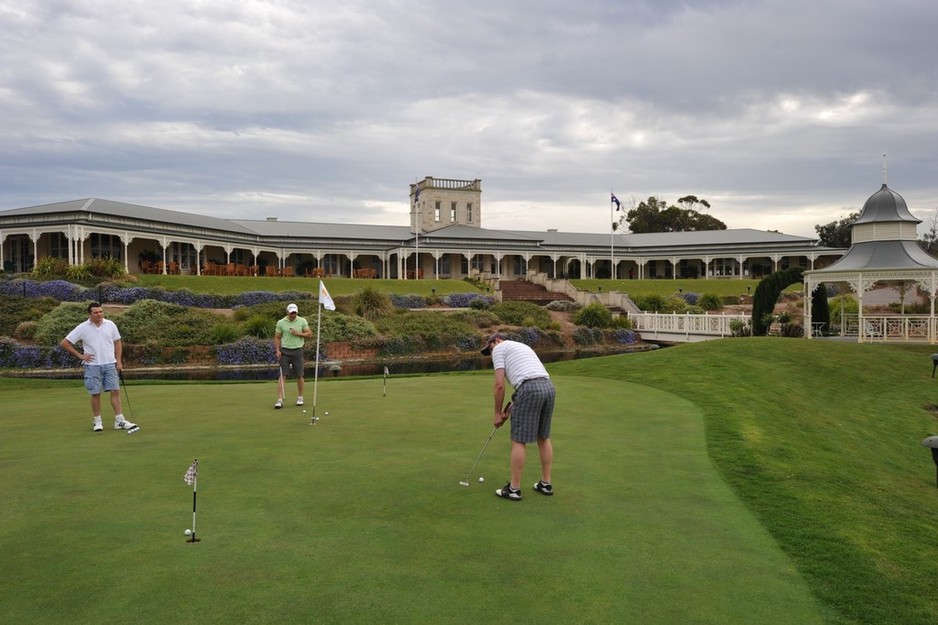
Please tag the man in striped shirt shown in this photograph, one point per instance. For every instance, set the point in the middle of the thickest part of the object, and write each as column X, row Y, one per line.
column 532, row 408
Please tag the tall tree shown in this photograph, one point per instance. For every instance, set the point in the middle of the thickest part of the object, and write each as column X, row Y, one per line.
column 654, row 215
column 929, row 240
column 836, row 233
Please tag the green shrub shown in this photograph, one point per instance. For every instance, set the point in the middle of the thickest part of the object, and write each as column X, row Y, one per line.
column 78, row 273
column 622, row 321
column 168, row 324
column 477, row 318
column 260, row 326
column 480, row 303
column 710, row 301
column 49, row 267
column 649, row 303
column 225, row 332
column 26, row 331
column 16, row 309
column 58, row 322
column 372, row 304
column 433, row 330
column 515, row 313
column 594, row 315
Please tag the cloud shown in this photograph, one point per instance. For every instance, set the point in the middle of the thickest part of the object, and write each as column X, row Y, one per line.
column 777, row 112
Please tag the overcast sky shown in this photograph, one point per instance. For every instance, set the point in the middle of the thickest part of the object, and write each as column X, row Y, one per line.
column 777, row 112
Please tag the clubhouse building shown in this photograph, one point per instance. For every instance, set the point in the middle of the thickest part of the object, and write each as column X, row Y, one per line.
column 445, row 239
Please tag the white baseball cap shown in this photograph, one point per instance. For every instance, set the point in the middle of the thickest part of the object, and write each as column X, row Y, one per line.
column 292, row 308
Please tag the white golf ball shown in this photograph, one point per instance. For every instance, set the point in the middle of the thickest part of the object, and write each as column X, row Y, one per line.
column 188, row 532
column 481, row 479
column 304, row 412
column 327, row 413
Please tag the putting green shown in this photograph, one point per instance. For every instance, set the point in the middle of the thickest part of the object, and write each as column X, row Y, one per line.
column 360, row 518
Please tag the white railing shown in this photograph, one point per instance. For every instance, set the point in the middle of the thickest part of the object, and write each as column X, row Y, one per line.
column 688, row 326
column 892, row 328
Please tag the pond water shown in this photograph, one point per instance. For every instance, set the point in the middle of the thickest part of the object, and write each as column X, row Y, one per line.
column 326, row 369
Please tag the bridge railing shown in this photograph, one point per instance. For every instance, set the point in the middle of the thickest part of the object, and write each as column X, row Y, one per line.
column 650, row 325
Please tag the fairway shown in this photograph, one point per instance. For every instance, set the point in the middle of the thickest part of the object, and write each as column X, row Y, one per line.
column 360, row 518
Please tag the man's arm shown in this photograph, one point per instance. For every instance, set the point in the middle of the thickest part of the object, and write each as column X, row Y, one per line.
column 499, row 391
column 71, row 349
column 118, row 352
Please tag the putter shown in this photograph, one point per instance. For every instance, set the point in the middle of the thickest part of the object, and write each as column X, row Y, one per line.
column 466, row 481
column 468, row 475
column 136, row 428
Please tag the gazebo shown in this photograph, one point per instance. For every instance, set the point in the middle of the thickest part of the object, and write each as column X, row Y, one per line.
column 884, row 248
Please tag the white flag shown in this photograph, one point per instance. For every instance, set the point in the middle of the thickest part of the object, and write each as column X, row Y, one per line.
column 324, row 298
column 191, row 473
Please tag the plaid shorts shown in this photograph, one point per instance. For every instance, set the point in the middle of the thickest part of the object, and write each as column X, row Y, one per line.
column 532, row 408
column 100, row 378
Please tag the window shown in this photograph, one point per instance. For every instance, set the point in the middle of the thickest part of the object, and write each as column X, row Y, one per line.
column 437, row 212
column 58, row 245
column 106, row 246
column 518, row 265
column 469, row 213
column 184, row 254
column 452, row 212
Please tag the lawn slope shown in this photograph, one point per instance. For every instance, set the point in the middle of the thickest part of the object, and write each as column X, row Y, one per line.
column 822, row 441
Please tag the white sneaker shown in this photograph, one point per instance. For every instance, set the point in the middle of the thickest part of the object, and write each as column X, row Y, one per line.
column 123, row 424
column 299, row 401
column 279, row 404
column 97, row 427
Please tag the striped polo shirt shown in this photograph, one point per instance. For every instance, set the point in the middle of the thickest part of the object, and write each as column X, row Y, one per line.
column 519, row 362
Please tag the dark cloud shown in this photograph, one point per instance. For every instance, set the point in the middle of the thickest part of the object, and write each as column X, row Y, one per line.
column 777, row 112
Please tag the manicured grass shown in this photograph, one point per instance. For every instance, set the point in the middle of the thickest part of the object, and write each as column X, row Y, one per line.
column 668, row 287
column 822, row 441
column 223, row 285
column 359, row 519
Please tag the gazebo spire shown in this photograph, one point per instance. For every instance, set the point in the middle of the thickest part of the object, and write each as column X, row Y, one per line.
column 885, row 171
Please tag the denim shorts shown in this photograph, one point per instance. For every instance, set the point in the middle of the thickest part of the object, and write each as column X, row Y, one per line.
column 99, row 378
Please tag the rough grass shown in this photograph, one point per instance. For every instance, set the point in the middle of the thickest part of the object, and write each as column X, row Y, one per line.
column 822, row 441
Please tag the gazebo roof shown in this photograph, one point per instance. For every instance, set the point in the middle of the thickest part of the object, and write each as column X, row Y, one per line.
column 883, row 206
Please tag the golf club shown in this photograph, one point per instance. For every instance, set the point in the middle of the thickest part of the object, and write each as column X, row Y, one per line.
column 466, row 481
column 120, row 375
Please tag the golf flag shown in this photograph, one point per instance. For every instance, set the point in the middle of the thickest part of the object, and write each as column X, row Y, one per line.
column 324, row 298
column 615, row 201
column 191, row 473
column 386, row 372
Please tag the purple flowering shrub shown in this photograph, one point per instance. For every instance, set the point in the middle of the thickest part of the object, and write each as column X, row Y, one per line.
column 246, row 351
column 465, row 300
column 16, row 356
column 409, row 301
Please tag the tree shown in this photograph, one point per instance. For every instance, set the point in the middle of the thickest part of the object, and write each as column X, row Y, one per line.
column 929, row 240
column 836, row 233
column 766, row 295
column 654, row 215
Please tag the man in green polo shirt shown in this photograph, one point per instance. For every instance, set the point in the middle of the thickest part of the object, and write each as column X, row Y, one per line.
column 289, row 338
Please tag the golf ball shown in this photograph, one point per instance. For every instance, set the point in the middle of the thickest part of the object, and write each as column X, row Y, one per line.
column 481, row 479
column 327, row 413
column 188, row 532
column 304, row 412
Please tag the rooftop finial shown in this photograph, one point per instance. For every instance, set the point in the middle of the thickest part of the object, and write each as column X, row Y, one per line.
column 885, row 172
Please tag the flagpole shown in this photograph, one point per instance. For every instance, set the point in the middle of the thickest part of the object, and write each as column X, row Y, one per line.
column 312, row 419
column 612, row 238
column 195, row 488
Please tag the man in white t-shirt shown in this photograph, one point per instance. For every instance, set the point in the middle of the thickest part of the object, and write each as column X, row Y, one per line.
column 532, row 408
column 100, row 356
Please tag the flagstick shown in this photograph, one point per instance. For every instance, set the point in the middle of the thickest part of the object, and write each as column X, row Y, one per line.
column 195, row 488
column 312, row 419
column 612, row 239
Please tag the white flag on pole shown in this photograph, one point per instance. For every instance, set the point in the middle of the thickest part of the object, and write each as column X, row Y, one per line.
column 191, row 473
column 324, row 298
